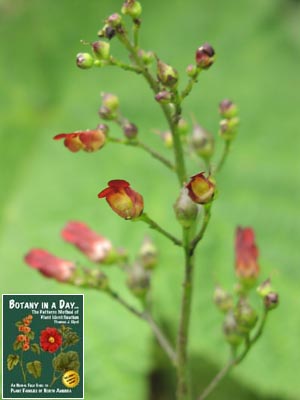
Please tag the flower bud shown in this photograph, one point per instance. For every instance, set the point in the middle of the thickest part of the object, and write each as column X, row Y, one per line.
column 148, row 254
column 114, row 20
column 271, row 300
column 227, row 109
column 130, row 130
column 228, row 128
column 245, row 316
column 222, row 299
column 104, row 128
column 264, row 288
column 163, row 97
column 202, row 142
column 132, row 8
column 166, row 74
column 231, row 330
column 101, row 49
column 110, row 101
column 106, row 114
column 107, row 32
column 246, row 255
column 192, row 71
column 84, row 60
column 122, row 199
column 93, row 278
column 146, row 56
column 201, row 189
column 138, row 280
column 205, row 56
column 182, row 126
column 185, row 209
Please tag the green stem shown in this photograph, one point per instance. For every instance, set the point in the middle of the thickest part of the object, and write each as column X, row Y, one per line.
column 186, row 91
column 22, row 367
column 224, row 156
column 148, row 149
column 153, row 225
column 234, row 360
column 179, row 157
column 127, row 67
column 184, row 322
column 136, row 30
column 196, row 240
column 146, row 316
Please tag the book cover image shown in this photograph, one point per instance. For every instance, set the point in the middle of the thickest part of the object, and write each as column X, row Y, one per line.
column 42, row 346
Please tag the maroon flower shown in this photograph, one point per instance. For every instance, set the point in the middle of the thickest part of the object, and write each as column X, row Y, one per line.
column 122, row 199
column 205, row 56
column 94, row 246
column 50, row 265
column 89, row 140
column 246, row 254
column 50, row 340
column 201, row 189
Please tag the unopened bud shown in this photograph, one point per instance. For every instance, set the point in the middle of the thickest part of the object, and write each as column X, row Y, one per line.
column 95, row 278
column 132, row 8
column 228, row 128
column 192, row 71
column 130, row 130
column 104, row 128
column 138, row 280
column 227, row 109
column 264, row 288
column 271, row 300
column 148, row 253
column 245, row 316
column 231, row 330
column 222, row 299
column 105, row 113
column 166, row 74
column 205, row 56
column 147, row 56
column 107, row 32
column 111, row 101
column 202, row 142
column 183, row 127
column 114, row 20
column 101, row 49
column 163, row 97
column 185, row 209
column 84, row 60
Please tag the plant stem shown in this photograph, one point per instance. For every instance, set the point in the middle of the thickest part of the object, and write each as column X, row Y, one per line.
column 234, row 361
column 148, row 149
column 196, row 240
column 136, row 29
column 186, row 91
column 145, row 218
column 146, row 316
column 183, row 329
column 179, row 157
column 224, row 156
column 22, row 367
column 127, row 67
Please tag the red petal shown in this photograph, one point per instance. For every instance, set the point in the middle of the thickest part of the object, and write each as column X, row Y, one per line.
column 118, row 184
column 105, row 192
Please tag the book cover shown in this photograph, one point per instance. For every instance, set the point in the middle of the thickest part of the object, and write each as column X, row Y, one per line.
column 42, row 346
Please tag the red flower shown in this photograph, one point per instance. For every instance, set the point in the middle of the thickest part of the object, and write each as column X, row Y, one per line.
column 89, row 140
column 246, row 254
column 50, row 340
column 122, row 199
column 94, row 246
column 49, row 265
column 201, row 189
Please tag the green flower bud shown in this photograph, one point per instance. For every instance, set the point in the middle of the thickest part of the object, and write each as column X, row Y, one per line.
column 130, row 130
column 95, row 279
column 132, row 8
column 222, row 299
column 245, row 316
column 163, row 97
column 271, row 300
column 148, row 254
column 107, row 32
column 114, row 20
column 166, row 74
column 84, row 60
column 228, row 128
column 192, row 71
column 185, row 209
column 183, row 127
column 264, row 288
column 231, row 331
column 138, row 280
column 110, row 101
column 227, row 109
column 101, row 49
column 202, row 142
column 106, row 114
column 146, row 56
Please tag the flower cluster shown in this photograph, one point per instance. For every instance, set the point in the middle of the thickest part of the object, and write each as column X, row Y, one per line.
column 25, row 337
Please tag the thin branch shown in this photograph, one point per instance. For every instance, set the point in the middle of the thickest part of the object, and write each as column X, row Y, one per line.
column 146, row 316
column 148, row 149
column 145, row 218
column 196, row 240
column 224, row 156
column 186, row 91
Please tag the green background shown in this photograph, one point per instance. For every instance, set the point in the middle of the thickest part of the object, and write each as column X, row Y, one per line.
column 43, row 185
column 10, row 332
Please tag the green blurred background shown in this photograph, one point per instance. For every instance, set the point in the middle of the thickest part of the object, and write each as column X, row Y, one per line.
column 43, row 185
